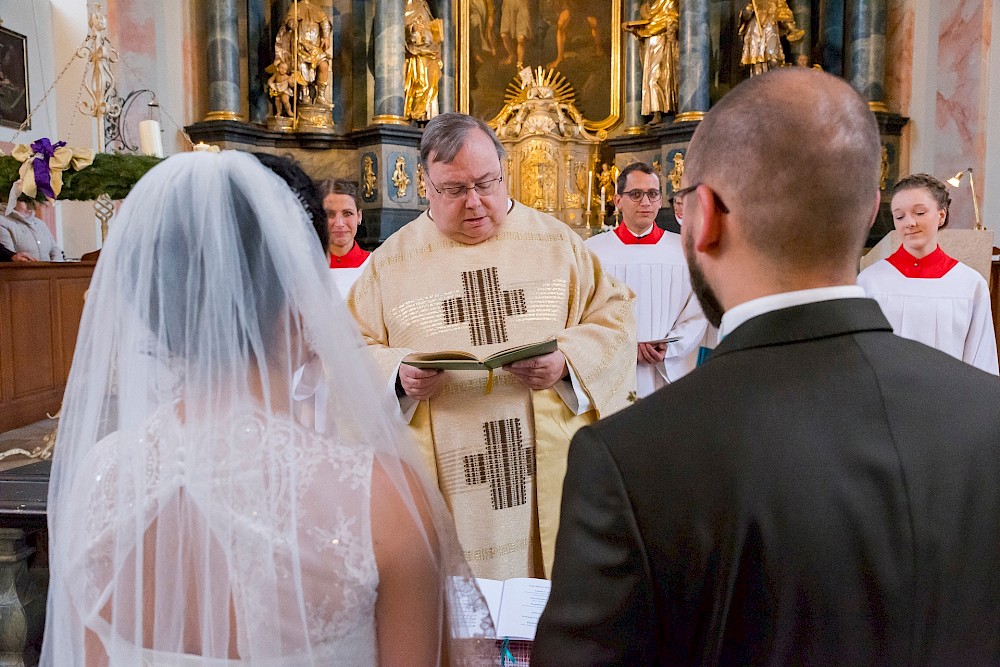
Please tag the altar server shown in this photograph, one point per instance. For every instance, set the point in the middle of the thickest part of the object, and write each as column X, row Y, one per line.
column 927, row 295
column 343, row 215
column 651, row 262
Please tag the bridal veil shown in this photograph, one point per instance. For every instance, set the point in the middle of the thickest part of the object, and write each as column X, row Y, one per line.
column 192, row 520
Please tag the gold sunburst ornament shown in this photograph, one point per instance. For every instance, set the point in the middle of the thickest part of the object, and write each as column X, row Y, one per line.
column 549, row 84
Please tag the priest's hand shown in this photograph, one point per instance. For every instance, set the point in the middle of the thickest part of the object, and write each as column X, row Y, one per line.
column 420, row 384
column 540, row 372
column 651, row 353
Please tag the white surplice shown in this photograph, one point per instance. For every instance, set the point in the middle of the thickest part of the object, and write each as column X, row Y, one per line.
column 665, row 305
column 951, row 313
column 343, row 279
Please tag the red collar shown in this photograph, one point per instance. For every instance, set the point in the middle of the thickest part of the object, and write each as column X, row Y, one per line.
column 934, row 265
column 354, row 258
column 628, row 238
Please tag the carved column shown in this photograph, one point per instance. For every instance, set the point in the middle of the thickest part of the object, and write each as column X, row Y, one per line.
column 632, row 111
column 803, row 20
column 448, row 87
column 223, row 55
column 21, row 600
column 695, row 58
column 390, row 62
column 865, row 52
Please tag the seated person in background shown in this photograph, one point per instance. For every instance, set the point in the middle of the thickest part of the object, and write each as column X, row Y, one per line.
column 193, row 520
column 22, row 232
column 926, row 295
column 11, row 256
column 343, row 215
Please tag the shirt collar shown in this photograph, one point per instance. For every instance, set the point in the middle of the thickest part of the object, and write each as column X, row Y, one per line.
column 747, row 310
column 934, row 265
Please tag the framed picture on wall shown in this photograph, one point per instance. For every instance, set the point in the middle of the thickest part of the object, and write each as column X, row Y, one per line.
column 580, row 39
column 13, row 79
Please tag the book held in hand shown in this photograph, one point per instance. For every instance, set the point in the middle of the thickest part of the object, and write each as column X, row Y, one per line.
column 515, row 604
column 657, row 341
column 457, row 360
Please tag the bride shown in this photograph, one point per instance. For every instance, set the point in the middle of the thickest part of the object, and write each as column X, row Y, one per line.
column 192, row 520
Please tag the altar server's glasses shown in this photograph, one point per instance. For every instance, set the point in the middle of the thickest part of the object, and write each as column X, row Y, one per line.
column 637, row 195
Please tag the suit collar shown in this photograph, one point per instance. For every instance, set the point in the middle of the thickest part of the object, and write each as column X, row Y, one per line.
column 811, row 321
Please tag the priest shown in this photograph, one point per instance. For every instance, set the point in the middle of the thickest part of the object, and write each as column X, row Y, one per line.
column 669, row 322
column 481, row 273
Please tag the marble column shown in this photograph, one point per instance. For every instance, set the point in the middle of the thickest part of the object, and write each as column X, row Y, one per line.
column 803, row 20
column 694, row 60
column 223, row 61
column 832, row 36
column 632, row 110
column 865, row 52
column 448, row 87
column 390, row 62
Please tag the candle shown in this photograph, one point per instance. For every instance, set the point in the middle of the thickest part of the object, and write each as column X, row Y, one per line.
column 590, row 184
column 150, row 139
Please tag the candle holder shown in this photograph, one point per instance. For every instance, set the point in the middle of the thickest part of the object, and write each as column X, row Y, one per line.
column 956, row 181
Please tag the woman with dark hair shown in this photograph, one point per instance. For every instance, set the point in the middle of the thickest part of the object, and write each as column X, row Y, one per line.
column 926, row 295
column 194, row 521
column 343, row 215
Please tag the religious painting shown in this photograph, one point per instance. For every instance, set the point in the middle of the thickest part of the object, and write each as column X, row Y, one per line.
column 13, row 79
column 581, row 39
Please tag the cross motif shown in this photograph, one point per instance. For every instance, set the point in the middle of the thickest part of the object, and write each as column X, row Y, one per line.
column 506, row 464
column 485, row 306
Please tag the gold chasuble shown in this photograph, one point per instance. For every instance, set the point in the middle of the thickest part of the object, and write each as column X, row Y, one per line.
column 499, row 458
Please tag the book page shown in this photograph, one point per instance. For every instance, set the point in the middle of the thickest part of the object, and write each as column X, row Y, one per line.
column 521, row 607
column 466, row 620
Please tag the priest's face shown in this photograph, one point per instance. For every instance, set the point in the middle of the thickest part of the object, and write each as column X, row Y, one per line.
column 917, row 218
column 639, row 216
column 468, row 199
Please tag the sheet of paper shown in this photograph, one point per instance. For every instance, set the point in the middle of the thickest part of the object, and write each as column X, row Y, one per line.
column 521, row 607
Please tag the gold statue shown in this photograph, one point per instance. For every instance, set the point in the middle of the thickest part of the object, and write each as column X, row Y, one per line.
column 660, row 56
column 399, row 177
column 677, row 173
column 424, row 36
column 281, row 87
column 305, row 44
column 762, row 25
column 421, row 183
column 370, row 181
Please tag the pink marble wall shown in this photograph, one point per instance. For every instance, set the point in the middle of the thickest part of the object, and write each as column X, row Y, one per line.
column 899, row 55
column 132, row 29
column 964, row 37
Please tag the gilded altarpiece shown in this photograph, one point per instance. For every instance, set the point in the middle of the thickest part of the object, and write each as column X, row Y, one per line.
column 550, row 151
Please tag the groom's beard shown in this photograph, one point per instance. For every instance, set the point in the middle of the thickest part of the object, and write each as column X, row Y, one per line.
column 706, row 295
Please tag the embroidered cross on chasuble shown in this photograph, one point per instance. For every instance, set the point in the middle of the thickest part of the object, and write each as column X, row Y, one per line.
column 499, row 458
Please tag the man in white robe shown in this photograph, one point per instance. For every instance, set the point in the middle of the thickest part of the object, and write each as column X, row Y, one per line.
column 479, row 273
column 651, row 262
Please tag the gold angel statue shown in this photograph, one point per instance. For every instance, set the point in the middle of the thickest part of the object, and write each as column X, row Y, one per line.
column 762, row 25
column 424, row 36
column 660, row 56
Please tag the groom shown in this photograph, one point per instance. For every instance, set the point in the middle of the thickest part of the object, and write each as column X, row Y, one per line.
column 820, row 492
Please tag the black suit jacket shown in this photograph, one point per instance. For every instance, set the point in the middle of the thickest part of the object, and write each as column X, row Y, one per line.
column 820, row 492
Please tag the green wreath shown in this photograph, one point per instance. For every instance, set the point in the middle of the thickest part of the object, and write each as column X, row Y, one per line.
column 113, row 174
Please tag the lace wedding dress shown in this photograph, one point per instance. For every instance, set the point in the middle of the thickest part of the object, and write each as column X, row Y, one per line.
column 330, row 534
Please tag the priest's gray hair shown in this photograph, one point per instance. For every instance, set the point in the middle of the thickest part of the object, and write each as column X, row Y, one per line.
column 446, row 133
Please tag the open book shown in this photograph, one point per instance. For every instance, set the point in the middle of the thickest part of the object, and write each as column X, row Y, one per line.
column 515, row 605
column 456, row 360
column 657, row 341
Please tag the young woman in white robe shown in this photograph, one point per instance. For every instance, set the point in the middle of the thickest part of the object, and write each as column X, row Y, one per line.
column 926, row 295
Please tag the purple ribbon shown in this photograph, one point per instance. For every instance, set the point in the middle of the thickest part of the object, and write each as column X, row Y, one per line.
column 44, row 150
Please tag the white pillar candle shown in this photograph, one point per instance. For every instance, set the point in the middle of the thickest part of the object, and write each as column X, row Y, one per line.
column 590, row 183
column 150, row 140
